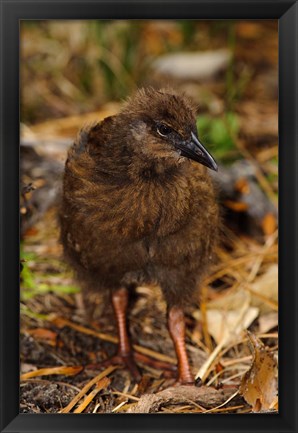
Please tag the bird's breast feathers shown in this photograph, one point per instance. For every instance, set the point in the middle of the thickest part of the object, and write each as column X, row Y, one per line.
column 121, row 208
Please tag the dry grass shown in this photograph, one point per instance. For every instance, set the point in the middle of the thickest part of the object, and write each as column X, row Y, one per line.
column 67, row 339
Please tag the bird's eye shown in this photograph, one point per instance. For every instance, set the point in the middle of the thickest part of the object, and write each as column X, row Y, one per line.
column 163, row 130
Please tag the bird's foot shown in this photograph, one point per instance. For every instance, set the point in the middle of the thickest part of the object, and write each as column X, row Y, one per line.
column 123, row 360
column 129, row 361
column 166, row 367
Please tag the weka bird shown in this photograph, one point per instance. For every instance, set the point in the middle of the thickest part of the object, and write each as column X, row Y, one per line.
column 137, row 210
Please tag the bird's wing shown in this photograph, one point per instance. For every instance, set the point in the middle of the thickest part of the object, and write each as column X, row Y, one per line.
column 92, row 137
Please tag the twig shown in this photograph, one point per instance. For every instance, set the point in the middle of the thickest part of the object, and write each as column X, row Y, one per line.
column 87, row 387
column 129, row 396
column 66, row 371
column 103, row 383
column 223, row 404
column 117, row 408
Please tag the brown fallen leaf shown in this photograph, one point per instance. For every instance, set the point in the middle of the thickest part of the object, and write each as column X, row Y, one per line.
column 237, row 206
column 264, row 290
column 242, row 185
column 45, row 335
column 224, row 317
column 259, row 383
column 67, row 126
column 268, row 321
column 26, row 367
column 269, row 224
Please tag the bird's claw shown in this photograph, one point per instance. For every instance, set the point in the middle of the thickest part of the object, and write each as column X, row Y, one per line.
column 154, row 363
column 125, row 361
column 128, row 361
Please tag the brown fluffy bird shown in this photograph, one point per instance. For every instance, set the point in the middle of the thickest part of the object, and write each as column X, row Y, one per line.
column 138, row 208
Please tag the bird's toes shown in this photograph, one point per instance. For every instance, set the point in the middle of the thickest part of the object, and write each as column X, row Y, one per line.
column 129, row 360
column 130, row 364
column 154, row 363
column 123, row 360
column 114, row 360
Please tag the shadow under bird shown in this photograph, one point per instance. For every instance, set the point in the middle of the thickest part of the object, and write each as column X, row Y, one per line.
column 139, row 207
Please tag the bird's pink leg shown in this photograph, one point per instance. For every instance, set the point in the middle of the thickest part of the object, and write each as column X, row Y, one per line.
column 125, row 351
column 125, row 354
column 120, row 304
column 176, row 325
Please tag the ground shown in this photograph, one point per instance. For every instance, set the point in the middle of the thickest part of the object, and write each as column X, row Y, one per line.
column 62, row 331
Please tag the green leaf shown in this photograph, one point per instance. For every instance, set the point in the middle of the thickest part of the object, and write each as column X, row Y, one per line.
column 218, row 133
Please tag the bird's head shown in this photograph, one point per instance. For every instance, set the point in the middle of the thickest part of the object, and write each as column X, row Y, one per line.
column 163, row 125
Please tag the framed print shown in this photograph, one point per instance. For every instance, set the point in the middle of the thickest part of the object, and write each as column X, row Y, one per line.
column 149, row 215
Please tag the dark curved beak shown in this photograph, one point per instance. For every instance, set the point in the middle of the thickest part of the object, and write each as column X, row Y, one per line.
column 194, row 150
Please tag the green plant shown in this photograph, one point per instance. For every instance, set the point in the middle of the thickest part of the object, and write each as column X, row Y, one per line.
column 37, row 283
column 218, row 133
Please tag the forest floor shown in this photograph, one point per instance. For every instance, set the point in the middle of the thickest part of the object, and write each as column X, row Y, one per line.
column 62, row 331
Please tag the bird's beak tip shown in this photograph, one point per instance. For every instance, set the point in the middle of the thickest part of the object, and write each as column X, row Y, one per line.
column 214, row 166
column 199, row 153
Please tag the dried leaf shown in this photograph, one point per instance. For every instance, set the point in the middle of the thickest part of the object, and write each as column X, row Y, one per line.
column 267, row 322
column 26, row 367
column 43, row 334
column 266, row 286
column 68, row 126
column 237, row 206
column 227, row 336
column 222, row 323
column 223, row 317
column 259, row 383
column 269, row 224
column 242, row 185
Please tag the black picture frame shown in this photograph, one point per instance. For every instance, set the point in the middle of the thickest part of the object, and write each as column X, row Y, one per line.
column 11, row 13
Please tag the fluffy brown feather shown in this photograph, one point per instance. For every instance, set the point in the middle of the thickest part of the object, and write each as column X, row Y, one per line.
column 134, row 210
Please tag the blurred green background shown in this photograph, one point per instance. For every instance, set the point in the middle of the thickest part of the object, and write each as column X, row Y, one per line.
column 74, row 67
